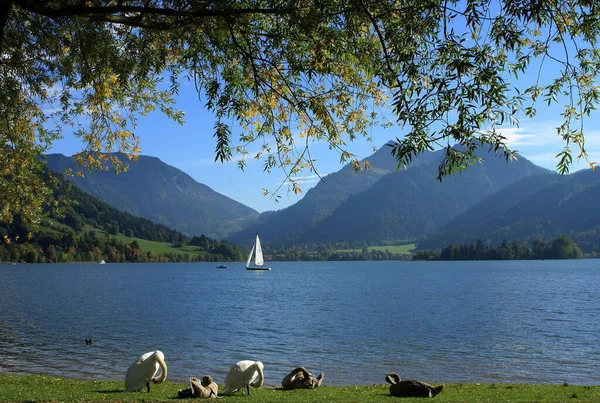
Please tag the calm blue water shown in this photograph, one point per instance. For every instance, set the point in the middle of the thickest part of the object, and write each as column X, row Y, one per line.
column 535, row 321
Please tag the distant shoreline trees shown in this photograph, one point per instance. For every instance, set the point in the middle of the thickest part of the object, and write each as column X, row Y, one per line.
column 91, row 247
column 562, row 247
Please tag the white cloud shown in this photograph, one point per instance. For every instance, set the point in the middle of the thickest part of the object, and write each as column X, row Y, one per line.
column 516, row 136
column 301, row 180
column 534, row 134
column 539, row 143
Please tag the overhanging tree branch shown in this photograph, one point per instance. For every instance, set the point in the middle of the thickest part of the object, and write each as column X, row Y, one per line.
column 282, row 69
column 57, row 9
column 5, row 7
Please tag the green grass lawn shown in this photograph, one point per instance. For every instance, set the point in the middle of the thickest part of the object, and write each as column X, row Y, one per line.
column 146, row 245
column 159, row 247
column 39, row 388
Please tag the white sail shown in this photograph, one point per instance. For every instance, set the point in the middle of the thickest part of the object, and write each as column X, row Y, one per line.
column 250, row 256
column 257, row 253
column 258, row 259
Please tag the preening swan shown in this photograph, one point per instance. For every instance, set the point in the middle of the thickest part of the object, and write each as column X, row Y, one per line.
column 412, row 388
column 300, row 378
column 243, row 374
column 141, row 372
column 200, row 388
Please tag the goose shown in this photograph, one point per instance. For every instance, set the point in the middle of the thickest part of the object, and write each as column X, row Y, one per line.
column 411, row 388
column 200, row 388
column 300, row 378
column 243, row 374
column 141, row 372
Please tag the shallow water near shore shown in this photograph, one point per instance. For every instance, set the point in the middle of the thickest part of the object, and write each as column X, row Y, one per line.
column 525, row 321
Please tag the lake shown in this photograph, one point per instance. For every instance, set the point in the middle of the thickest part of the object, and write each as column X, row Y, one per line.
column 524, row 321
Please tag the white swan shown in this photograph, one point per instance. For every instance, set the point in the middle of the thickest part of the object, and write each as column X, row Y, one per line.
column 141, row 372
column 243, row 374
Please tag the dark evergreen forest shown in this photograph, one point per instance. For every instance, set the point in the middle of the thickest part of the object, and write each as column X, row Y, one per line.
column 560, row 248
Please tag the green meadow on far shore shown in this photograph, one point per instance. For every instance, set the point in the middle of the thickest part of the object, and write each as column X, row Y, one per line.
column 39, row 388
column 395, row 249
column 160, row 247
column 166, row 247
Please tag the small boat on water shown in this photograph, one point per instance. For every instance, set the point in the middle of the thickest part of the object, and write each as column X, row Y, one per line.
column 102, row 262
column 259, row 261
column 221, row 267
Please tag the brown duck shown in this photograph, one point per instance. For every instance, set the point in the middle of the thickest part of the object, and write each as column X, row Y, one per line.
column 300, row 378
column 200, row 388
column 411, row 388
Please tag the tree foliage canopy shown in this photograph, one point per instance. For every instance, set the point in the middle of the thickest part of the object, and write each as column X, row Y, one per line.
column 285, row 74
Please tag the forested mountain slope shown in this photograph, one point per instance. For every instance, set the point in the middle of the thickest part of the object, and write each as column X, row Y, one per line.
column 91, row 230
column 164, row 195
column 413, row 203
column 289, row 225
column 537, row 206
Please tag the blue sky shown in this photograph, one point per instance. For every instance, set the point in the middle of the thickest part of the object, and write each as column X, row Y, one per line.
column 191, row 148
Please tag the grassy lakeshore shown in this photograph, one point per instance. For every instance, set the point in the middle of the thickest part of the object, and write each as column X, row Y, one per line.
column 29, row 388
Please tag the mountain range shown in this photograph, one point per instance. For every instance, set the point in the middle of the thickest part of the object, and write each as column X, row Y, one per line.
column 547, row 206
column 383, row 205
column 492, row 201
column 163, row 194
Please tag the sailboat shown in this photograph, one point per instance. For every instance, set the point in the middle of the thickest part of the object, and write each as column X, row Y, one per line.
column 259, row 261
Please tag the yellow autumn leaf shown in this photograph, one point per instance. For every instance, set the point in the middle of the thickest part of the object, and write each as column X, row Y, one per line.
column 296, row 188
